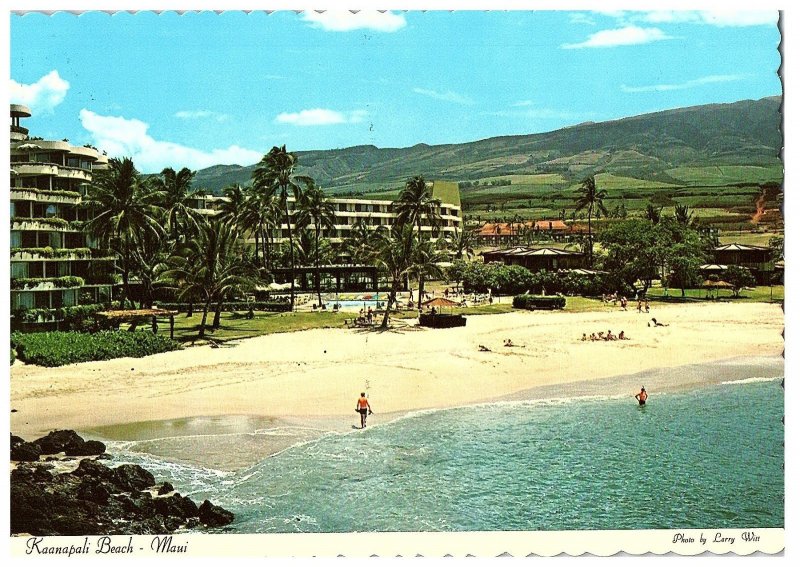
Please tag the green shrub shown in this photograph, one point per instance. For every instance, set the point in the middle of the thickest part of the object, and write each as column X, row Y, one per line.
column 13, row 356
column 59, row 348
column 539, row 302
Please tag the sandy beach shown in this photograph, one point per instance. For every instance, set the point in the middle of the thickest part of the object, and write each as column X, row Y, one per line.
column 231, row 406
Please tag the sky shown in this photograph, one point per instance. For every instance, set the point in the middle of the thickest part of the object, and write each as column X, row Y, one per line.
column 201, row 89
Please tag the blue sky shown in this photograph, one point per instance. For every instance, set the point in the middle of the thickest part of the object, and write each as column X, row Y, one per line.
column 202, row 89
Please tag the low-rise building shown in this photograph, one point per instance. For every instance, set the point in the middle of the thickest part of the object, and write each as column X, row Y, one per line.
column 535, row 259
column 758, row 259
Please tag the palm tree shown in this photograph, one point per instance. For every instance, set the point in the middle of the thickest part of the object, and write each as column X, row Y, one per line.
column 175, row 194
column 652, row 213
column 210, row 267
column 316, row 210
column 275, row 174
column 590, row 198
column 361, row 240
column 415, row 203
column 463, row 243
column 425, row 257
column 683, row 215
column 123, row 208
column 393, row 254
column 149, row 258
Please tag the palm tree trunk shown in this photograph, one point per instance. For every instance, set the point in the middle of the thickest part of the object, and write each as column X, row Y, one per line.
column 591, row 244
column 421, row 281
column 316, row 266
column 202, row 332
column 390, row 301
column 255, row 234
column 291, row 248
column 217, row 315
column 190, row 310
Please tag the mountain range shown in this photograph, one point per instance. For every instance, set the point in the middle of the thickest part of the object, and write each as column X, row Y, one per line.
column 647, row 146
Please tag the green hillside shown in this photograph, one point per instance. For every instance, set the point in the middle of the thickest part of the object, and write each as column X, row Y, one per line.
column 710, row 145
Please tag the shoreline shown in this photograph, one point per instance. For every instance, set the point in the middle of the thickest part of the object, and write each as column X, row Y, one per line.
column 265, row 442
column 230, row 407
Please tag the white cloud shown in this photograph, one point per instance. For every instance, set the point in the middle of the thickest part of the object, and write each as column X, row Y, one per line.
column 200, row 114
column 581, row 18
column 686, row 85
column 345, row 20
column 43, row 95
column 320, row 117
column 128, row 137
column 719, row 18
column 629, row 35
column 449, row 96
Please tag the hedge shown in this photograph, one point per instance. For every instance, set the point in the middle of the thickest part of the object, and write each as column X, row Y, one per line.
column 539, row 302
column 270, row 306
column 13, row 356
column 58, row 348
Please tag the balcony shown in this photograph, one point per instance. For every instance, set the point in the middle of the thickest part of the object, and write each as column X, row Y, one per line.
column 48, row 253
column 44, row 196
column 45, row 284
column 19, row 130
column 54, row 224
column 30, row 168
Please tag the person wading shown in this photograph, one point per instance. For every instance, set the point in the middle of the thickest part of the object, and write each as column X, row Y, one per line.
column 362, row 407
column 641, row 396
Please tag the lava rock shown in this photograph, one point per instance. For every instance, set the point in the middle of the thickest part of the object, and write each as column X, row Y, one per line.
column 70, row 443
column 133, row 477
column 214, row 516
column 166, row 488
column 25, row 452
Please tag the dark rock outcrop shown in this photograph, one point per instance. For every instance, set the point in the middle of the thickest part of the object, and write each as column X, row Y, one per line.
column 25, row 452
column 70, row 443
column 96, row 499
column 214, row 516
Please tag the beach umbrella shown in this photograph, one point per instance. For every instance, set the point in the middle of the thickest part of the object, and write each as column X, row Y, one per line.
column 709, row 284
column 440, row 302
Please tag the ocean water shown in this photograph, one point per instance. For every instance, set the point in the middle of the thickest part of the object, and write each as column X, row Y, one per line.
column 711, row 457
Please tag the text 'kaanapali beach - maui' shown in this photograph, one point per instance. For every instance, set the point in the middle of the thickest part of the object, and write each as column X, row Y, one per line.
column 395, row 272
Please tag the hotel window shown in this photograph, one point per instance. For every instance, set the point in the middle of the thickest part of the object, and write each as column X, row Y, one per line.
column 23, row 299
column 19, row 269
column 15, row 238
column 50, row 211
column 73, row 162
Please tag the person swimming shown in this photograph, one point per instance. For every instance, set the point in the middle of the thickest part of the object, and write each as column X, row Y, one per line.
column 641, row 396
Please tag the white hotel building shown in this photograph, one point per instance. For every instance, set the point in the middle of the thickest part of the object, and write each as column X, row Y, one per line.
column 348, row 211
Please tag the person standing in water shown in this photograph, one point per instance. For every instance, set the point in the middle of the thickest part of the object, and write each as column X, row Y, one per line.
column 362, row 407
column 641, row 396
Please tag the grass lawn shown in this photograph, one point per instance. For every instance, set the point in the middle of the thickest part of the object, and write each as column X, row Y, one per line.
column 762, row 293
column 237, row 326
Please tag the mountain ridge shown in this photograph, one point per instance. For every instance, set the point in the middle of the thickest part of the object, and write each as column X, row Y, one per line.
column 644, row 146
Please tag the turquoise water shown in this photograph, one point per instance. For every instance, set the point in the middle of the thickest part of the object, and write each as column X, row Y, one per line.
column 712, row 457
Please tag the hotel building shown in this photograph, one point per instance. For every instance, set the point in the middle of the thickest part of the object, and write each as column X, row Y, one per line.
column 54, row 262
column 374, row 212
